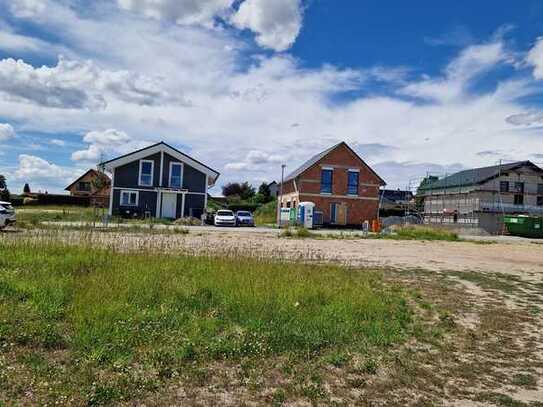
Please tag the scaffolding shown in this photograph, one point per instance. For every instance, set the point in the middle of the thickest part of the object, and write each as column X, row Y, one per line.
column 469, row 205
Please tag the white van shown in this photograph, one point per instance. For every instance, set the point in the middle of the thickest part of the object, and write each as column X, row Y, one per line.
column 7, row 214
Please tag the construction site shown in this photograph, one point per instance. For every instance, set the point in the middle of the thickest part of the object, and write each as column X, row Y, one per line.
column 475, row 201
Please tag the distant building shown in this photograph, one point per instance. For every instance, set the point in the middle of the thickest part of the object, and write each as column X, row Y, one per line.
column 479, row 197
column 274, row 189
column 93, row 184
column 340, row 184
column 396, row 202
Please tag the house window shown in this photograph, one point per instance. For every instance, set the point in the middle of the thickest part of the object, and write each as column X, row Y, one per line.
column 176, row 174
column 540, row 201
column 540, row 189
column 326, row 180
column 84, row 186
column 519, row 199
column 129, row 198
column 352, row 187
column 504, row 186
column 519, row 187
column 146, row 173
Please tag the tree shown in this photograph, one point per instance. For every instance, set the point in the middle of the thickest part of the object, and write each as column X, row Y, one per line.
column 264, row 193
column 26, row 189
column 243, row 191
column 4, row 191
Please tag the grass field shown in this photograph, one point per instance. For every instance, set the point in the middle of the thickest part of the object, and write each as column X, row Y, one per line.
column 81, row 325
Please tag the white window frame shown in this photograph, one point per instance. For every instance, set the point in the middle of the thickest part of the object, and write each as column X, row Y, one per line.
column 129, row 192
column 356, row 170
column 172, row 163
column 152, row 173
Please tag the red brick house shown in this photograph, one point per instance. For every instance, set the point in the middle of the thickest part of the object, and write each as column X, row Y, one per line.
column 96, row 185
column 339, row 183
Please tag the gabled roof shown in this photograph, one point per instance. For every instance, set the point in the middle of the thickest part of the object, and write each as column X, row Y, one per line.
column 91, row 171
column 156, row 148
column 395, row 195
column 477, row 176
column 316, row 158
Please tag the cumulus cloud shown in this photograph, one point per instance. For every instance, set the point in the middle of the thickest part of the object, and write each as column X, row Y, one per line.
column 77, row 85
column 188, row 12
column 32, row 168
column 57, row 142
column 27, row 8
column 6, row 131
column 535, row 58
column 254, row 160
column 276, row 23
column 101, row 143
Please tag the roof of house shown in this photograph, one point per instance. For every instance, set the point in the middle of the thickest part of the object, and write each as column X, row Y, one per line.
column 476, row 176
column 96, row 173
column 157, row 147
column 316, row 158
column 394, row 195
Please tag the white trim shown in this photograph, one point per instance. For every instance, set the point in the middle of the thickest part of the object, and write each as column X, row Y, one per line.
column 111, row 190
column 129, row 192
column 172, row 163
column 353, row 170
column 152, row 173
column 161, row 168
column 183, row 205
column 323, row 167
column 213, row 175
column 158, row 202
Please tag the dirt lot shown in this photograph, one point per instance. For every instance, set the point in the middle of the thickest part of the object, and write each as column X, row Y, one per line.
column 480, row 306
column 517, row 257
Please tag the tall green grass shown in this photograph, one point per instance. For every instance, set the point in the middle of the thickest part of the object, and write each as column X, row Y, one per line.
column 108, row 309
column 423, row 233
column 266, row 214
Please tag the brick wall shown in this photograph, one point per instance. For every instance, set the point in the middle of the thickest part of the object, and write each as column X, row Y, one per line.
column 358, row 210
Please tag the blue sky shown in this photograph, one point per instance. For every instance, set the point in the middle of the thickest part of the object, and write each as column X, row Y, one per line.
column 245, row 85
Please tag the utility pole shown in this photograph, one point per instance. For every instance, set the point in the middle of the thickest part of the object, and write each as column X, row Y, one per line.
column 283, row 166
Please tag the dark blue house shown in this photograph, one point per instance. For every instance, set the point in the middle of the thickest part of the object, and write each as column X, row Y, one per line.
column 159, row 181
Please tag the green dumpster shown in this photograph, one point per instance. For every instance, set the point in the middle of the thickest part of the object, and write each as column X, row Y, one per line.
column 525, row 226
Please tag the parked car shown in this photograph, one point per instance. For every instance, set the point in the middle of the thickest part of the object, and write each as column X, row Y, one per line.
column 245, row 218
column 7, row 214
column 225, row 217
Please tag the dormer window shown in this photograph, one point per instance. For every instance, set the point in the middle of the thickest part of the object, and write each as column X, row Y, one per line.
column 146, row 173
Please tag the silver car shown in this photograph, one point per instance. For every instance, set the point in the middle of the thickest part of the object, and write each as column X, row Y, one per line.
column 7, row 214
column 245, row 218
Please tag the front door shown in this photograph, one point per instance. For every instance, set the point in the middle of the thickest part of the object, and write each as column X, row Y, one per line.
column 169, row 205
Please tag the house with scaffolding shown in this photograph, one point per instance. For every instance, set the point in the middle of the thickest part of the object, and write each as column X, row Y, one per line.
column 479, row 198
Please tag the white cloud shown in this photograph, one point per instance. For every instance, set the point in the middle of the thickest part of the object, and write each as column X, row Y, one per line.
column 535, row 58
column 27, row 8
column 57, row 142
column 77, row 85
column 467, row 66
column 276, row 23
column 101, row 144
column 6, row 131
column 33, row 168
column 187, row 12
